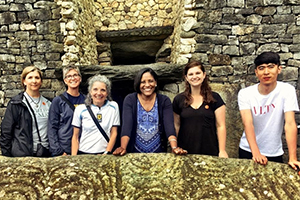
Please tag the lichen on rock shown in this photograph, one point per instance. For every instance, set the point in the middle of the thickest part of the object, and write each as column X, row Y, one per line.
column 145, row 176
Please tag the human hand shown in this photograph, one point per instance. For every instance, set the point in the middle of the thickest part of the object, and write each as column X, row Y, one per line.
column 179, row 151
column 295, row 165
column 120, row 151
column 106, row 152
column 223, row 154
column 64, row 154
column 260, row 159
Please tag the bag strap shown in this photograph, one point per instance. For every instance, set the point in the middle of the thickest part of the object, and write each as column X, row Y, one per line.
column 97, row 123
column 67, row 101
column 36, row 125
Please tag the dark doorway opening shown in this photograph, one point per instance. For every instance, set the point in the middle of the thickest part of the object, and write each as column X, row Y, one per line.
column 136, row 46
column 136, row 52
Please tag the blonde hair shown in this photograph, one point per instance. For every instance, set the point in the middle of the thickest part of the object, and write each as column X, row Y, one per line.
column 26, row 71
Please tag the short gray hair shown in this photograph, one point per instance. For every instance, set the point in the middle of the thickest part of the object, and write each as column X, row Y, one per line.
column 91, row 81
column 69, row 68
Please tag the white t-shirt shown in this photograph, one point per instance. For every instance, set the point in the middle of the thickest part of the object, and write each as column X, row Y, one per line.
column 268, row 116
column 92, row 140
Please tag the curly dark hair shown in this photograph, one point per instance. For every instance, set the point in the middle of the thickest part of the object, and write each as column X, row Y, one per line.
column 206, row 91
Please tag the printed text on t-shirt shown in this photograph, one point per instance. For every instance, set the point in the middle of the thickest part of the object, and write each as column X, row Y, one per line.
column 263, row 109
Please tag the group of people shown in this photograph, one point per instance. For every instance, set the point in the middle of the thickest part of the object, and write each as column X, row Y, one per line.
column 194, row 123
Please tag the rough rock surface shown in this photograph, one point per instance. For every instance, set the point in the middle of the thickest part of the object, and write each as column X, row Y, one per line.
column 145, row 176
column 171, row 72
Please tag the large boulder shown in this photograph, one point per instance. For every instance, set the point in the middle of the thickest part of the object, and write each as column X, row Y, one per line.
column 145, row 176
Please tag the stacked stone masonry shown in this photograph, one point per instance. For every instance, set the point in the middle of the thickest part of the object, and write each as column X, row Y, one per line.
column 225, row 35
column 109, row 15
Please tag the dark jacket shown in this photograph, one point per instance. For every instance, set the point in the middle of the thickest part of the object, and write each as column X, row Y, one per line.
column 16, row 129
column 129, row 117
column 60, row 129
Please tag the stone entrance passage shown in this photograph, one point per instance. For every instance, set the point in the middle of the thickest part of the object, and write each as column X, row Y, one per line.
column 135, row 46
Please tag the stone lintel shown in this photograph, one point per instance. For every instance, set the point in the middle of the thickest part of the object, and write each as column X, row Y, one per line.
column 151, row 33
column 165, row 71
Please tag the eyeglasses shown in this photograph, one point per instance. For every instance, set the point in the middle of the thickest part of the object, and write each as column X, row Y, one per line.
column 269, row 66
column 69, row 77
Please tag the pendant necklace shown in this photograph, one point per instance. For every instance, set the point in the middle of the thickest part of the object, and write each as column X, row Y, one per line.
column 35, row 103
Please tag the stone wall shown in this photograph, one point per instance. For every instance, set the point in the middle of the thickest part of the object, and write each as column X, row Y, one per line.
column 77, row 22
column 130, row 14
column 225, row 35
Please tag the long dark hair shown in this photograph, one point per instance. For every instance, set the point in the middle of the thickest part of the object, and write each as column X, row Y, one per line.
column 206, row 91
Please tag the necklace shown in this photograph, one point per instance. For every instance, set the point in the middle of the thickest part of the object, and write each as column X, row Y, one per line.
column 35, row 103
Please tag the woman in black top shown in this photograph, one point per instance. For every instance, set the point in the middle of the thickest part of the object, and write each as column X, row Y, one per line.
column 199, row 115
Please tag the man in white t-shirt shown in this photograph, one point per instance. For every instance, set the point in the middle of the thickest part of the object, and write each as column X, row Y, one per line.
column 266, row 109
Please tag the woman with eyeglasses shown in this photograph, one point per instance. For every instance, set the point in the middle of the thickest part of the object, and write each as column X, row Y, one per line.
column 60, row 129
column 24, row 126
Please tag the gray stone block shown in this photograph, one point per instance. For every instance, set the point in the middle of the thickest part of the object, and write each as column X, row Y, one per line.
column 7, row 18
column 39, row 14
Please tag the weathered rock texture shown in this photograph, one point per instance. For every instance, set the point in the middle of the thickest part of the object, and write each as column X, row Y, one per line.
column 225, row 35
column 145, row 176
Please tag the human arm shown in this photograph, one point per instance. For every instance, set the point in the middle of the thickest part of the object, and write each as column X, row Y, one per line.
column 112, row 139
column 221, row 130
column 251, row 138
column 75, row 141
column 175, row 149
column 177, row 109
column 290, row 128
column 53, row 128
column 176, row 123
column 122, row 149
column 128, row 115
column 7, row 127
column 169, row 123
